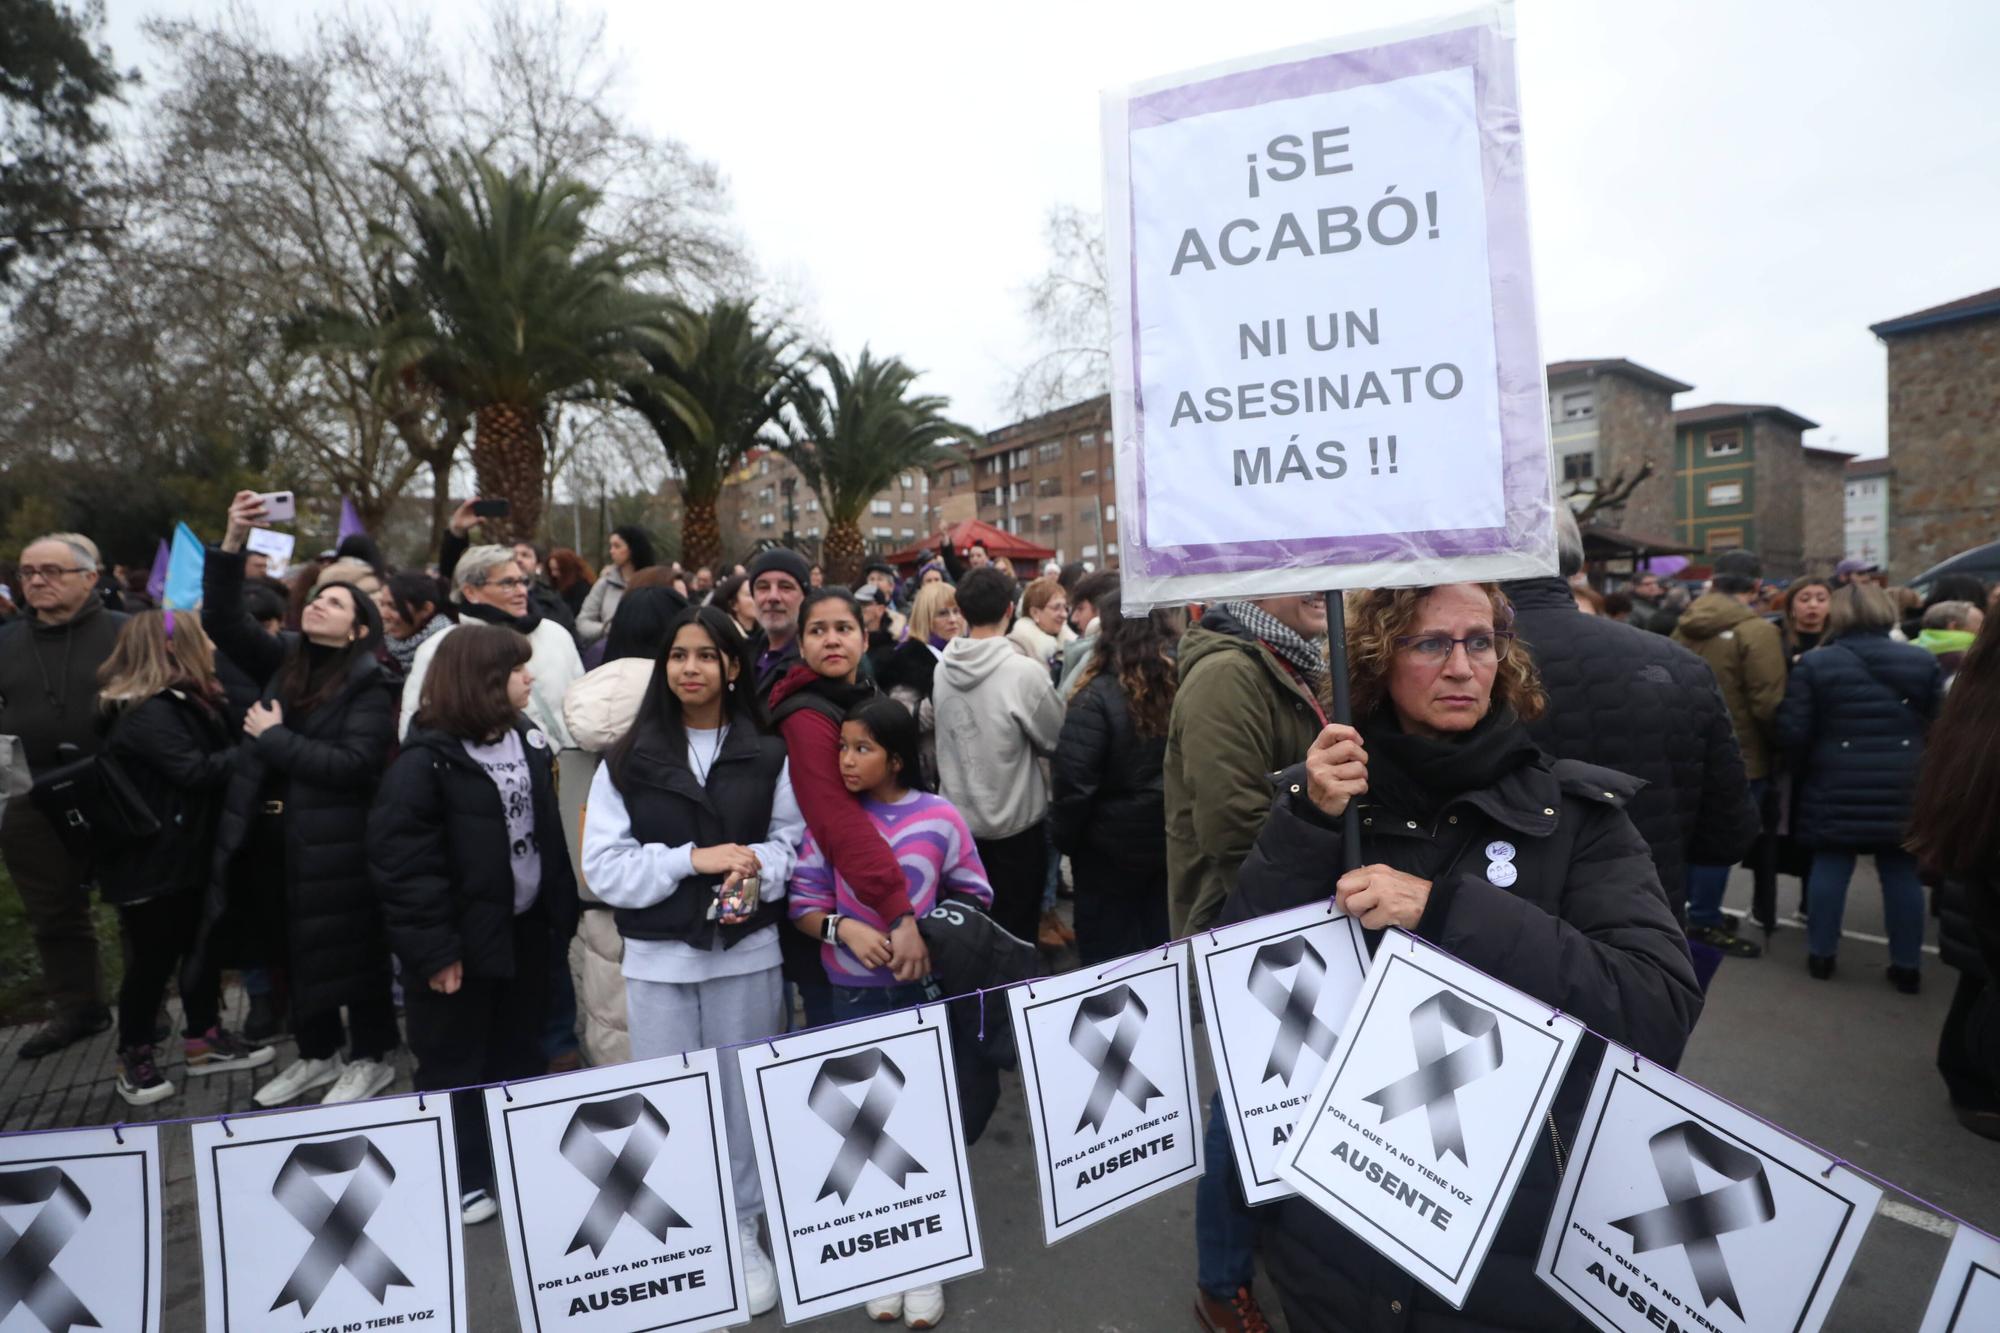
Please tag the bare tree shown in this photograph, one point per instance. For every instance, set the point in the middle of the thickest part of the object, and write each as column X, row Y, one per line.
column 1069, row 307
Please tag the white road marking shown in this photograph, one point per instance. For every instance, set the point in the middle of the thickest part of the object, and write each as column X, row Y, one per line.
column 1898, row 1211
column 1799, row 923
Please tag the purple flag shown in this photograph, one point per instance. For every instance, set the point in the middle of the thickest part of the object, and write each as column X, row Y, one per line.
column 350, row 522
column 156, row 582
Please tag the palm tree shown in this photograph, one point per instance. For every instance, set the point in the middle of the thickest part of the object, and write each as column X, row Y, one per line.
column 516, row 308
column 852, row 433
column 711, row 404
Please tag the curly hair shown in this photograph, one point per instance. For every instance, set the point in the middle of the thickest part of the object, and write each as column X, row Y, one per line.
column 1136, row 653
column 1378, row 617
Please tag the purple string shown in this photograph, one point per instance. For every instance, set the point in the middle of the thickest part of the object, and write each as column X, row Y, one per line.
column 1614, row 1045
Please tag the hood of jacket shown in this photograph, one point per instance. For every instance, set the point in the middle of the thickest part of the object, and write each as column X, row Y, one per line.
column 1216, row 632
column 1549, row 594
column 969, row 663
column 602, row 705
column 1712, row 613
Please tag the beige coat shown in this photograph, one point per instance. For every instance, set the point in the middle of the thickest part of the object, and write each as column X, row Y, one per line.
column 599, row 709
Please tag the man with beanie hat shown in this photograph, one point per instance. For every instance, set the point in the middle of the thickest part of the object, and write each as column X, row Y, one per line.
column 778, row 579
column 1747, row 655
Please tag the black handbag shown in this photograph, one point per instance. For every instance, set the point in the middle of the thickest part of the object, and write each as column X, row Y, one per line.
column 92, row 801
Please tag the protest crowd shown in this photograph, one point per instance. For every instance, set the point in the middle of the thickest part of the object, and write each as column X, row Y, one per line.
column 514, row 819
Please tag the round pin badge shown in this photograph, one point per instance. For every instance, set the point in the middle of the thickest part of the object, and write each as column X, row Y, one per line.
column 1499, row 851
column 1502, row 873
column 537, row 739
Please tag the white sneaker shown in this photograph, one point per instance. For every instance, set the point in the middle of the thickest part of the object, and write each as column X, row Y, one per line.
column 923, row 1307
column 297, row 1079
column 886, row 1309
column 360, row 1081
column 760, row 1275
column 476, row 1206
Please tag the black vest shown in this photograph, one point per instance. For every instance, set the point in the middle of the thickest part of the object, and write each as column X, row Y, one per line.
column 667, row 804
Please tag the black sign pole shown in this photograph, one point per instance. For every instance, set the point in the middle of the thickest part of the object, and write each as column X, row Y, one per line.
column 1343, row 712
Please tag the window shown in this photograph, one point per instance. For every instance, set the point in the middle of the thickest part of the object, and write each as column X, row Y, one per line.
column 1722, row 494
column 813, row 531
column 961, row 475
column 764, row 468
column 881, row 507
column 881, row 532
column 1725, row 443
column 1050, row 451
column 909, row 506
column 1087, row 439
column 907, row 481
column 993, row 466
column 1111, row 548
column 1577, row 404
column 1579, row 467
column 1085, row 477
column 812, row 505
column 1050, row 521
column 1724, row 539
column 1088, row 553
column 1049, row 486
column 767, row 520
column 909, row 533
column 764, row 496
column 1111, row 513
column 1019, row 458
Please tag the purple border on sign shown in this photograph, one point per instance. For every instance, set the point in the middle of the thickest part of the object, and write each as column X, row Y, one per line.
column 1523, row 434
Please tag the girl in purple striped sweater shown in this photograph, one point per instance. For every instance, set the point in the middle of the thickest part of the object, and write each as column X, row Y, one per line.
column 879, row 763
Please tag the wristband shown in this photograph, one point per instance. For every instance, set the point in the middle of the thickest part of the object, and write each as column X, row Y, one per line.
column 829, row 929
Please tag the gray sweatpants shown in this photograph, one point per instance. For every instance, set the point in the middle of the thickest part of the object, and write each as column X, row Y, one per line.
column 668, row 1017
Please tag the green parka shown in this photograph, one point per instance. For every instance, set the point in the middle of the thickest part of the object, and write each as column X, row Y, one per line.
column 1747, row 655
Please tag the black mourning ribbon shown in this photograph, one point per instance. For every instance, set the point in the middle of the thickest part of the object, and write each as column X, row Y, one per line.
column 1440, row 1074
column 1111, row 1057
column 1298, row 1026
column 622, row 1190
column 862, row 1125
column 338, row 1227
column 27, row 1276
column 1693, row 1219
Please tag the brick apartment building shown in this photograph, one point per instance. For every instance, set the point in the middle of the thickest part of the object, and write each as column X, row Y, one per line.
column 1743, row 476
column 1048, row 479
column 766, row 500
column 1944, row 430
column 1609, row 418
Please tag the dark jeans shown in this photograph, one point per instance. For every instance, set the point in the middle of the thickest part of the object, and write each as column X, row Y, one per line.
column 1902, row 902
column 56, row 897
column 158, row 934
column 1118, row 912
column 559, row 1032
column 371, row 1027
column 868, row 1001
column 1016, row 867
column 1969, row 1047
column 488, row 1031
column 1706, row 884
column 816, row 998
column 1225, row 1231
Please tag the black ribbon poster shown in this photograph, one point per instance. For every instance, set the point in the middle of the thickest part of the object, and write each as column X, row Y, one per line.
column 614, row 1188
column 80, row 1235
column 1436, row 1098
column 1107, row 1062
column 862, row 1158
column 330, row 1216
column 1679, row 1209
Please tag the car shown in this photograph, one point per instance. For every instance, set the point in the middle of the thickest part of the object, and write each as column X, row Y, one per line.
column 1981, row 561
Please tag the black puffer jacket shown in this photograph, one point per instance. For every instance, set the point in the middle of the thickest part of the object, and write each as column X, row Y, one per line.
column 440, row 856
column 1969, row 927
column 1108, row 802
column 1585, row 928
column 1853, row 725
column 1638, row 702
column 325, row 767
column 178, row 752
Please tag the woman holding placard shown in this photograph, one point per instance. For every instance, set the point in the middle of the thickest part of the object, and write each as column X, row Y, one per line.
column 1472, row 838
column 690, row 834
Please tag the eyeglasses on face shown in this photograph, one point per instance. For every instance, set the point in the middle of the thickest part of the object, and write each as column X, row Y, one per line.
column 509, row 584
column 49, row 573
column 1434, row 649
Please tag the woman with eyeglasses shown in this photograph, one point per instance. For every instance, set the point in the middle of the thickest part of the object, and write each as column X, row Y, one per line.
column 1472, row 838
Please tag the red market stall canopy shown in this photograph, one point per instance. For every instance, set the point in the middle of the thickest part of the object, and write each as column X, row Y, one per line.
column 961, row 536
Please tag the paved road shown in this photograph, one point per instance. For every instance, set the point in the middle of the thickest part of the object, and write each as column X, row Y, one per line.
column 1847, row 1064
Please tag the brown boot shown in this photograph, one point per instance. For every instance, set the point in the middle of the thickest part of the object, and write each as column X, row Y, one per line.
column 1241, row 1314
column 1050, row 935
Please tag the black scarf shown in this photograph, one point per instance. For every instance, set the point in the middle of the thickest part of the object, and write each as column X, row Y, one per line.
column 493, row 615
column 844, row 694
column 1419, row 775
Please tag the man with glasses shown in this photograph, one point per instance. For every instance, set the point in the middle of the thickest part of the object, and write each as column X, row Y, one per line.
column 489, row 585
column 48, row 697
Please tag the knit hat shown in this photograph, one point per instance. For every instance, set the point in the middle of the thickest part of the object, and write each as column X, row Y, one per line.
column 780, row 560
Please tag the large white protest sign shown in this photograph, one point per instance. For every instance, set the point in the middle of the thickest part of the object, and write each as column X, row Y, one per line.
column 1967, row 1295
column 1678, row 1209
column 1325, row 370
column 1107, row 1063
column 80, row 1230
column 862, row 1157
column 1277, row 990
column 1433, row 1103
column 331, row 1217
column 614, row 1187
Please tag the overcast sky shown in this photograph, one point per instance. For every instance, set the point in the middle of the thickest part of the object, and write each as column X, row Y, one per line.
column 1727, row 192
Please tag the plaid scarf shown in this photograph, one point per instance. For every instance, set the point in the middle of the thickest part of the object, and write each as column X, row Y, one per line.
column 1309, row 657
